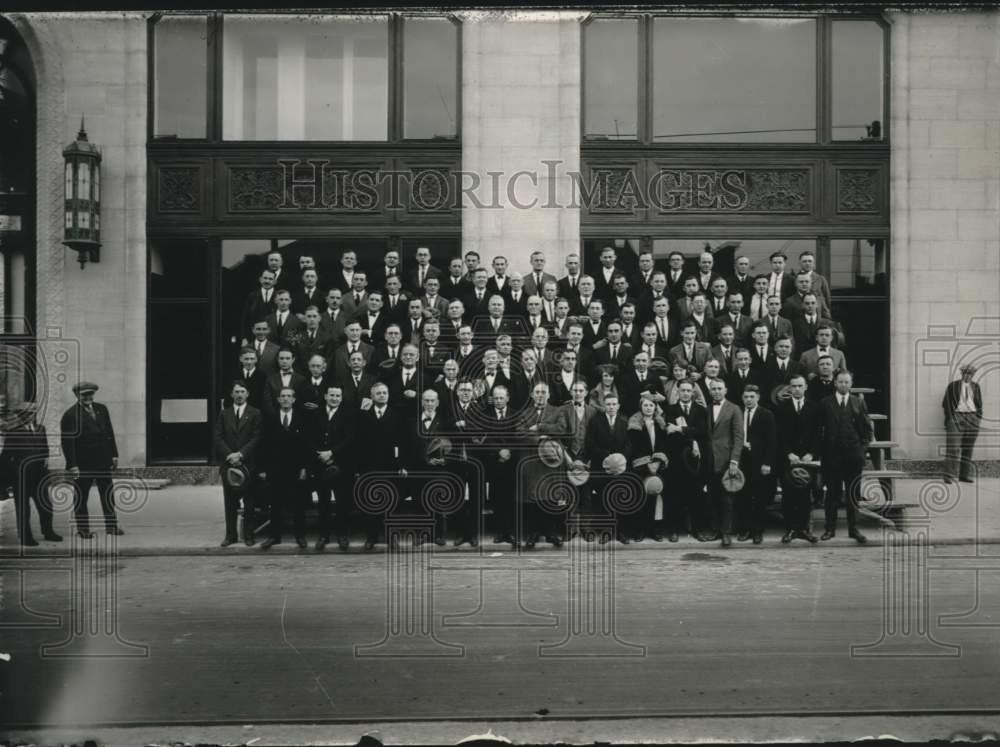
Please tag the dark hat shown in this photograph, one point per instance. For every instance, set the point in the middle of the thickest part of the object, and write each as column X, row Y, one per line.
column 438, row 448
column 798, row 476
column 85, row 386
column 691, row 460
column 734, row 483
column 235, row 476
column 780, row 393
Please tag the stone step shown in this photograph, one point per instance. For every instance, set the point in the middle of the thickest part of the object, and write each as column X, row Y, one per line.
column 143, row 482
column 883, row 445
column 888, row 474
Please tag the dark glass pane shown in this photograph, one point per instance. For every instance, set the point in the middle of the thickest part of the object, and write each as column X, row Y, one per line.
column 611, row 72
column 180, row 70
column 178, row 269
column 858, row 266
column 179, row 385
column 866, row 325
column 430, row 85
column 858, row 69
column 333, row 73
column 734, row 80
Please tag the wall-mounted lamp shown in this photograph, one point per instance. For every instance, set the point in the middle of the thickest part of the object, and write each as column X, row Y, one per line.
column 82, row 230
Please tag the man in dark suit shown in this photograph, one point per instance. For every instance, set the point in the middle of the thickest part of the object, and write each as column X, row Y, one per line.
column 761, row 350
column 805, row 326
column 333, row 318
column 356, row 299
column 343, row 280
column 499, row 422
column 394, row 301
column 285, row 460
column 757, row 461
column 416, row 277
column 25, row 460
column 675, row 275
column 725, row 435
column 687, row 428
column 646, row 301
column 620, row 295
column 594, row 328
column 704, row 318
column 725, row 351
column 798, row 441
column 706, row 274
column 640, row 281
column 535, row 280
column 604, row 273
column 312, row 393
column 381, row 448
column 353, row 343
column 258, row 304
column 742, row 324
column 374, row 320
column 311, row 340
column 847, row 431
column 430, row 424
column 332, row 441
column 794, row 306
column 267, row 351
column 743, row 373
column 633, row 383
column 88, row 443
column 236, row 438
column 310, row 294
column 412, row 325
column 466, row 419
column 477, row 300
column 387, row 355
column 434, row 304
column 742, row 281
column 820, row 285
column 405, row 384
column 631, row 330
column 252, row 375
column 569, row 285
column 822, row 383
column 433, row 353
column 455, row 285
column 607, row 433
column 517, row 299
column 649, row 343
column 779, row 282
column 613, row 349
column 779, row 370
column 283, row 323
column 690, row 351
column 963, row 412
column 777, row 325
column 285, row 376
column 356, row 383
column 390, row 267
column 579, row 303
column 718, row 301
column 499, row 282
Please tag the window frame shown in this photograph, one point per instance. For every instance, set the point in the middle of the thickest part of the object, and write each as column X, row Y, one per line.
column 214, row 74
column 824, row 83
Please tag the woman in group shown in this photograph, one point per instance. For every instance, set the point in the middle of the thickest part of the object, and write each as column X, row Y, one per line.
column 648, row 439
column 607, row 374
column 680, row 373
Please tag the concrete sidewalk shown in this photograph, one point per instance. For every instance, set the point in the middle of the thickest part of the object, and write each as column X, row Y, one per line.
column 188, row 519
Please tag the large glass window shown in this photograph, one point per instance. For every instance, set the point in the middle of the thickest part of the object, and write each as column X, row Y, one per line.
column 430, row 86
column 611, row 62
column 858, row 267
column 180, row 77
column 305, row 78
column 734, row 80
column 858, row 80
column 725, row 252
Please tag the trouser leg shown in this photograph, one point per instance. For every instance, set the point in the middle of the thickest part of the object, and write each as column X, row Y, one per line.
column 81, row 496
column 104, row 486
column 969, row 425
column 834, row 480
column 230, row 501
column 953, row 448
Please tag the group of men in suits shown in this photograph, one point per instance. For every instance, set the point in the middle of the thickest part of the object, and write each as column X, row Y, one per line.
column 690, row 375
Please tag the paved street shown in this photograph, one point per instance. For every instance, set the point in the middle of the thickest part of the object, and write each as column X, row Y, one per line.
column 261, row 639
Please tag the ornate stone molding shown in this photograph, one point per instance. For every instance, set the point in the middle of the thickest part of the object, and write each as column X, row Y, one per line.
column 858, row 190
column 178, row 189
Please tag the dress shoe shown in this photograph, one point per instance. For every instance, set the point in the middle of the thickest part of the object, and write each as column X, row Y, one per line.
column 29, row 542
column 758, row 538
column 269, row 543
column 84, row 534
column 554, row 541
column 638, row 537
column 321, row 544
column 249, row 541
column 440, row 541
column 459, row 541
column 369, row 544
column 623, row 539
column 514, row 544
column 809, row 537
column 343, row 543
column 117, row 531
column 966, row 479
column 499, row 539
column 828, row 535
column 474, row 542
column 672, row 537
column 529, row 544
column 227, row 542
column 656, row 537
column 787, row 537
column 301, row 542
column 743, row 536
column 948, row 480
column 714, row 536
column 52, row 537
column 726, row 540
column 857, row 537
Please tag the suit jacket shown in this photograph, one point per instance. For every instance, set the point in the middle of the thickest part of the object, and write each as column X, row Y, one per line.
column 578, row 305
column 339, row 360
column 452, row 290
column 354, row 394
column 953, row 396
column 675, row 288
column 846, row 432
column 373, row 332
column 744, row 286
column 334, row 328
column 576, row 427
column 475, row 308
column 780, row 327
column 703, row 286
column 337, row 280
column 725, row 435
column 412, row 330
column 774, row 377
column 405, row 406
column 292, row 326
column 484, row 332
column 630, row 389
column 805, row 334
column 638, row 284
column 695, row 429
column 377, row 277
column 742, row 329
column 493, row 287
column 300, row 300
column 559, row 393
column 382, row 444
column 798, row 433
column 412, row 282
column 763, row 440
column 787, row 285
column 438, row 308
column 821, row 287
column 244, row 436
column 614, row 305
column 792, row 307
column 88, row 442
column 727, row 365
column 25, row 455
column 532, row 288
column 256, row 386
column 735, row 383
column 284, row 451
column 567, row 291
column 313, row 396
column 590, row 336
column 400, row 311
column 700, row 354
column 601, row 439
column 254, row 309
column 810, row 360
column 304, row 348
column 268, row 361
column 708, row 328
column 644, row 307
column 715, row 310
column 623, row 360
column 602, row 288
column 337, row 434
column 350, row 307
column 522, row 385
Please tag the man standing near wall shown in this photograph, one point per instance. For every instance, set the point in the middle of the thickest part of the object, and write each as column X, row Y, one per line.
column 88, row 443
column 963, row 412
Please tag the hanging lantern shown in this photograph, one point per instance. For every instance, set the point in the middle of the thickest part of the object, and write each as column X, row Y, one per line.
column 82, row 231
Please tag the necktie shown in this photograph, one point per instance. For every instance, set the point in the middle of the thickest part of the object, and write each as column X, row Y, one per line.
column 378, row 413
column 687, row 410
column 392, row 302
column 572, row 281
column 312, row 337
column 798, row 406
column 260, row 349
column 423, row 272
column 330, row 413
column 357, row 382
column 614, row 352
column 357, row 299
column 781, row 366
column 353, row 348
column 284, row 421
column 687, row 352
column 239, row 413
column 843, row 402
column 427, row 422
column 392, row 353
column 406, row 378
column 663, row 332
column 246, row 374
column 760, row 351
column 317, row 382
column 499, row 414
